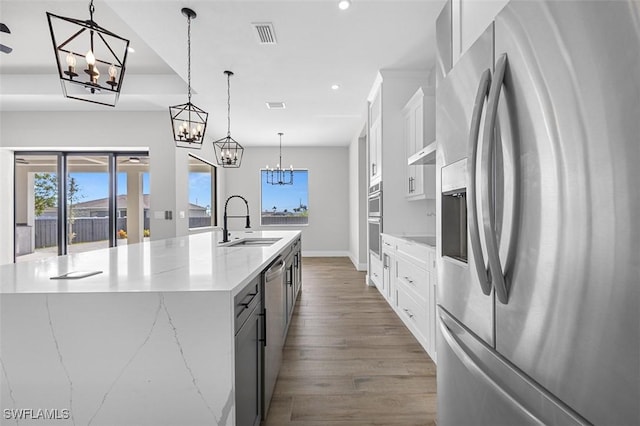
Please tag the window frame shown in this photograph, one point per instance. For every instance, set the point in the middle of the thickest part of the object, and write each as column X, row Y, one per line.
column 296, row 169
column 214, row 194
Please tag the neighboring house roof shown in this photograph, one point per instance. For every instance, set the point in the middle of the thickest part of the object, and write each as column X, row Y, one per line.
column 103, row 203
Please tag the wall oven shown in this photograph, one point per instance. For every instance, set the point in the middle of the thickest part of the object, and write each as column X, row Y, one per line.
column 375, row 219
column 375, row 229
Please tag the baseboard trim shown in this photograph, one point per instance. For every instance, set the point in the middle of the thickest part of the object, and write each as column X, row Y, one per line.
column 358, row 266
column 325, row 253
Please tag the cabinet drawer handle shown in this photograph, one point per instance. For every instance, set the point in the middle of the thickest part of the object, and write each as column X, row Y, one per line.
column 375, row 274
column 409, row 280
column 408, row 312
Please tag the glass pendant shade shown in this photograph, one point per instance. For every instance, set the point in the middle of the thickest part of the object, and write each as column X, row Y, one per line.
column 91, row 60
column 188, row 122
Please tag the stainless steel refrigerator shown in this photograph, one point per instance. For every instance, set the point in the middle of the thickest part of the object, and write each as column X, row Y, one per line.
column 538, row 132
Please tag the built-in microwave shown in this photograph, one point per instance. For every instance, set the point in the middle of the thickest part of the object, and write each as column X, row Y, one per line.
column 375, row 200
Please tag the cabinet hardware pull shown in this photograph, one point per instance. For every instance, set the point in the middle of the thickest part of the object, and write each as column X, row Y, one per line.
column 408, row 279
column 408, row 312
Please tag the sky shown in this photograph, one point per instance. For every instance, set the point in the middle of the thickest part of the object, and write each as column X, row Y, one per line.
column 200, row 188
column 96, row 185
column 286, row 196
column 93, row 186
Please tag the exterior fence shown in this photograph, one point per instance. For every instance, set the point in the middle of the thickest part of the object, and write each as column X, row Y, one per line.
column 284, row 220
column 86, row 229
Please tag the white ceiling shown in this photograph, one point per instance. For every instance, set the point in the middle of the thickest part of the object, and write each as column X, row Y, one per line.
column 318, row 45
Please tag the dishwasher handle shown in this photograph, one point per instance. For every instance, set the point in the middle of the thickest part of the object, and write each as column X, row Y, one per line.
column 276, row 269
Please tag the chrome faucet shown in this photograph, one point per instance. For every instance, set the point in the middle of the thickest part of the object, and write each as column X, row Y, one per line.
column 225, row 230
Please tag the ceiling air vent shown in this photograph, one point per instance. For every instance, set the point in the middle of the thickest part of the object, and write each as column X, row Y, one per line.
column 276, row 105
column 265, row 32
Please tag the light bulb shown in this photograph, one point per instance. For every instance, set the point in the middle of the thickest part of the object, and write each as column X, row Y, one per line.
column 91, row 59
column 113, row 72
column 291, row 167
column 71, row 60
column 199, row 128
column 267, row 167
column 344, row 4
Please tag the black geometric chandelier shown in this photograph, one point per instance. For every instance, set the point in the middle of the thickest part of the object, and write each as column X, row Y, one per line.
column 105, row 55
column 280, row 176
column 188, row 122
column 228, row 151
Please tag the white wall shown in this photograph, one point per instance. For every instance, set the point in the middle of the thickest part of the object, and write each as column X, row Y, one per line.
column 6, row 206
column 327, row 233
column 358, row 202
column 107, row 130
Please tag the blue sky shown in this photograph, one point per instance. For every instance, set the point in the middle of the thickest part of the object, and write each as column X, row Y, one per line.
column 286, row 196
column 93, row 186
column 200, row 188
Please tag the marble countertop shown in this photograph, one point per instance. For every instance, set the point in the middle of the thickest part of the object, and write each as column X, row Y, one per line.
column 191, row 263
column 426, row 240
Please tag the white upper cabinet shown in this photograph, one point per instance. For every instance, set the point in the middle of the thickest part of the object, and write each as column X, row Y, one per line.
column 375, row 138
column 418, row 132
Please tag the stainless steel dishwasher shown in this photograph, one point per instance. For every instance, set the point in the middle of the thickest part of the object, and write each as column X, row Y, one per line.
column 275, row 322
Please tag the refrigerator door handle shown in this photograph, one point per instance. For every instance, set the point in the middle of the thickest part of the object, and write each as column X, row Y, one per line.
column 472, row 153
column 475, row 369
column 497, row 275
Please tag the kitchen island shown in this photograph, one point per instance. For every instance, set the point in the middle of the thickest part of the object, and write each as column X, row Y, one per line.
column 147, row 341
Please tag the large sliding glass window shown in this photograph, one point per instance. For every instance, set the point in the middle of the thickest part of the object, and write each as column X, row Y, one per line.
column 86, row 220
column 36, row 206
column 132, row 201
column 87, row 202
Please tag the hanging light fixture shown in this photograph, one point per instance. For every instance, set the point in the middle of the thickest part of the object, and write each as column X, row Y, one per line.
column 188, row 122
column 104, row 52
column 280, row 176
column 228, row 151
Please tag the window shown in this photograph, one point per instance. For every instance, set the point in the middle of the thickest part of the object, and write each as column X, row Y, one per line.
column 202, row 193
column 285, row 204
column 86, row 220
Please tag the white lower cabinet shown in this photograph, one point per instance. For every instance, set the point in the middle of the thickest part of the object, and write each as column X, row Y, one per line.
column 409, row 285
column 375, row 271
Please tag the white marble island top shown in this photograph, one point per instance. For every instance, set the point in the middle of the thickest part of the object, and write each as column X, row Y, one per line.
column 191, row 263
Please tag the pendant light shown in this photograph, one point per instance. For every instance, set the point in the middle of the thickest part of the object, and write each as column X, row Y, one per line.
column 228, row 151
column 188, row 122
column 280, row 176
column 105, row 54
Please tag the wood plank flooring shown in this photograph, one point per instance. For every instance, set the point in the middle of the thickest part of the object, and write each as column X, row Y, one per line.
column 348, row 359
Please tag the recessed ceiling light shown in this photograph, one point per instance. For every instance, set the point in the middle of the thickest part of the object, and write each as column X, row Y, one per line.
column 344, row 4
column 276, row 105
column 131, row 49
column 335, row 87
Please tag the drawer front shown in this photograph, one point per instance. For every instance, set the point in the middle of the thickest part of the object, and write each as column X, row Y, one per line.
column 416, row 252
column 246, row 301
column 388, row 242
column 413, row 276
column 375, row 272
column 413, row 312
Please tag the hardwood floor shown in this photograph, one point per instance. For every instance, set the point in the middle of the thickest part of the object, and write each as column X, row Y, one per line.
column 348, row 359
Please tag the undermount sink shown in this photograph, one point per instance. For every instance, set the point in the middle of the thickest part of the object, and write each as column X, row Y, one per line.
column 252, row 242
